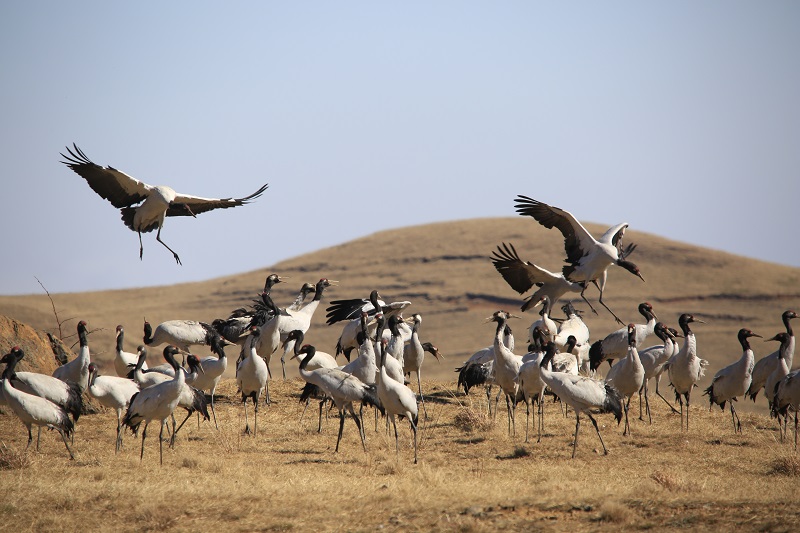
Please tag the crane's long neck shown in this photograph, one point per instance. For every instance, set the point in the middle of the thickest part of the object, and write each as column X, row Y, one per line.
column 788, row 325
column 120, row 337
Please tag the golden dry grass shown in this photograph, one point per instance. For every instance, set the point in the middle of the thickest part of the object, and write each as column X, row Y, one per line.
column 472, row 476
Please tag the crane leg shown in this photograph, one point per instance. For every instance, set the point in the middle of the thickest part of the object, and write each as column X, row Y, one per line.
column 594, row 422
column 640, row 404
column 604, row 305
column 119, row 435
column 688, row 395
column 658, row 380
column 246, row 424
column 158, row 238
column 144, row 434
column 161, row 443
column 175, row 433
column 627, row 430
column 396, row 439
column 341, row 428
column 141, row 246
column 30, row 439
column 577, row 428
column 541, row 417
column 647, row 405
column 737, row 424
column 421, row 397
column 283, row 367
column 64, row 438
column 527, row 416
column 360, row 428
column 587, row 301
column 414, row 430
column 213, row 411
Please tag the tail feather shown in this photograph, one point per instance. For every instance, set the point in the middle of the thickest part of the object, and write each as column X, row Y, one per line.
column 199, row 403
column 613, row 402
column 371, row 398
column 74, row 405
column 472, row 375
column 311, row 391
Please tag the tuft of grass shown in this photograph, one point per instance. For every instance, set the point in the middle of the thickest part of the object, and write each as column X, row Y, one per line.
column 188, row 462
column 469, row 421
column 788, row 465
column 13, row 460
column 669, row 481
column 615, row 512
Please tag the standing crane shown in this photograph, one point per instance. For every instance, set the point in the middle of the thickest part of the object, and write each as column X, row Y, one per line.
column 588, row 257
column 685, row 367
column 627, row 376
column 156, row 403
column 36, row 411
column 414, row 355
column 582, row 394
column 766, row 365
column 252, row 376
column 114, row 392
column 77, row 370
column 144, row 207
column 397, row 400
column 615, row 345
column 734, row 380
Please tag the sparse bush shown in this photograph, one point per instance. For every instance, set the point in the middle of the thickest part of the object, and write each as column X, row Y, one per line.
column 469, row 421
column 615, row 512
column 788, row 465
column 12, row 460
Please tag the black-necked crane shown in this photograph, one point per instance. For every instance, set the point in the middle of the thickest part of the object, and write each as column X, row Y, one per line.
column 144, row 207
column 397, row 400
column 787, row 396
column 734, row 380
column 156, row 403
column 582, row 394
column 114, row 392
column 685, row 367
column 544, row 321
column 286, row 321
column 252, row 376
column 234, row 329
column 77, row 370
column 342, row 388
column 588, row 257
column 506, row 368
column 414, row 355
column 394, row 367
column 36, row 411
column 627, row 376
column 66, row 395
column 211, row 370
column 532, row 387
column 780, row 372
column 124, row 360
column 523, row 275
column 653, row 359
column 766, row 365
column 573, row 325
column 479, row 368
column 615, row 344
column 182, row 334
column 349, row 310
column 321, row 360
column 147, row 379
column 365, row 366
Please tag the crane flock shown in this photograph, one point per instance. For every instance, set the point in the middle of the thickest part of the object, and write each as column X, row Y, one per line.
column 560, row 360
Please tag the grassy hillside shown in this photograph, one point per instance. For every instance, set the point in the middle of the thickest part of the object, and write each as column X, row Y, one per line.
column 444, row 269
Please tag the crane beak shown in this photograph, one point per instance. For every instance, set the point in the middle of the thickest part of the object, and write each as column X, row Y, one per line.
column 200, row 366
column 333, row 282
column 513, row 316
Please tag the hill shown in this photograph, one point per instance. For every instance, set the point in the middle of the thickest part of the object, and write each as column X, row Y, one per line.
column 444, row 269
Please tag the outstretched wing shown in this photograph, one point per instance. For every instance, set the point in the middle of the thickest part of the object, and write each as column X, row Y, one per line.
column 520, row 275
column 200, row 205
column 577, row 241
column 115, row 186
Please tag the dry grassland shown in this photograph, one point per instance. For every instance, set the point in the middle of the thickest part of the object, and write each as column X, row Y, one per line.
column 472, row 475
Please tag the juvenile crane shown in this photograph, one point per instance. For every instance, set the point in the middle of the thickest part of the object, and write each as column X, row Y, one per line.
column 144, row 207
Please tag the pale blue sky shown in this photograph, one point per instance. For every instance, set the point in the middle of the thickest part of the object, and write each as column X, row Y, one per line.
column 681, row 118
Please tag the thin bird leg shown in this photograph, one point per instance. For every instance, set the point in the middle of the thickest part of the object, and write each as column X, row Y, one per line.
column 414, row 429
column 647, row 404
column 161, row 442
column 175, row 433
column 255, row 417
column 680, row 400
column 341, row 428
column 358, row 425
column 795, row 428
column 396, row 439
column 688, row 395
column 308, row 400
column 421, row 397
column 577, row 428
column 158, row 238
column 605, row 451
column 64, row 438
column 627, row 429
column 246, row 424
column 640, row 403
column 587, row 301
column 527, row 416
column 603, row 303
column 213, row 412
column 119, row 433
column 658, row 379
column 141, row 246
column 144, row 434
column 541, row 417
column 30, row 439
column 737, row 424
column 321, row 405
